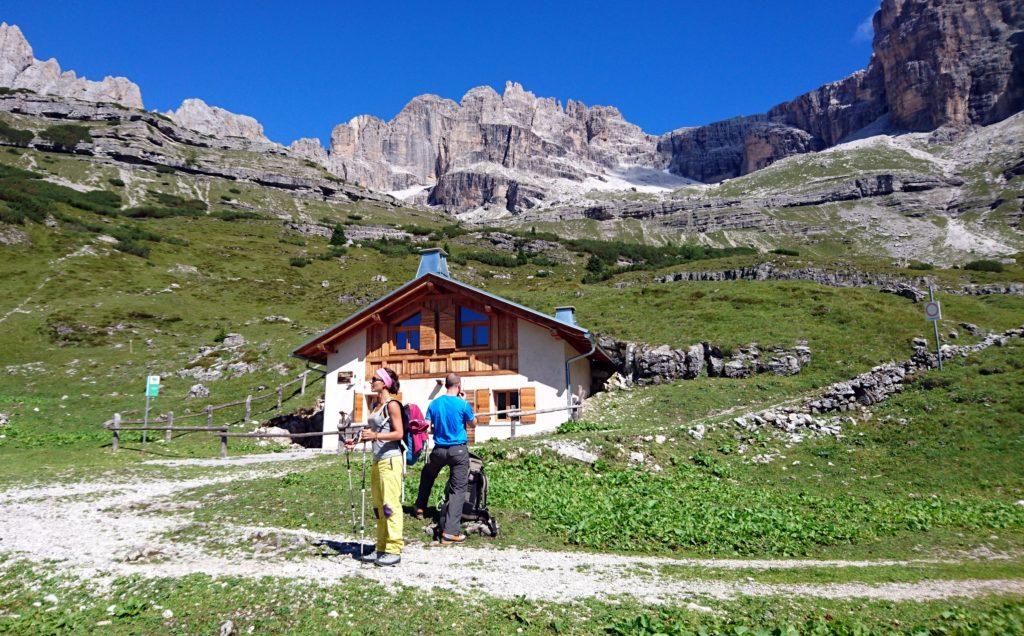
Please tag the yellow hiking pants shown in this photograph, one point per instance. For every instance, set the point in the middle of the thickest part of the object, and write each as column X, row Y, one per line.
column 386, row 486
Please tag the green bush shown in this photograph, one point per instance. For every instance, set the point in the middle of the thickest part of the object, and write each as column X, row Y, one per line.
column 234, row 191
column 495, row 259
column 338, row 236
column 172, row 201
column 154, row 212
column 131, row 247
column 299, row 261
column 66, row 136
column 355, row 217
column 14, row 135
column 921, row 266
column 165, row 170
column 783, row 251
column 116, row 182
column 984, row 266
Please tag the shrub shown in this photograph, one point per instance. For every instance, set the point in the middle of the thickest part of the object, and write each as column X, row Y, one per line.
column 155, row 212
column 299, row 261
column 172, row 201
column 234, row 191
column 919, row 265
column 495, row 259
column 66, row 136
column 783, row 251
column 355, row 217
column 131, row 247
column 165, row 169
column 984, row 266
column 338, row 236
column 14, row 135
column 116, row 182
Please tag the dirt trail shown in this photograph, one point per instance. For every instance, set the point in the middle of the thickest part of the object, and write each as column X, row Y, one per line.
column 90, row 528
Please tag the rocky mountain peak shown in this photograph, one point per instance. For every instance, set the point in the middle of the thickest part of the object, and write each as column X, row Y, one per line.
column 211, row 120
column 20, row 69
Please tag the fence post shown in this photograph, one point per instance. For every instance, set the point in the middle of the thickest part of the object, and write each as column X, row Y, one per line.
column 209, row 415
column 223, row 443
column 170, row 423
column 117, row 432
column 512, row 420
column 248, row 408
column 280, row 394
column 302, row 391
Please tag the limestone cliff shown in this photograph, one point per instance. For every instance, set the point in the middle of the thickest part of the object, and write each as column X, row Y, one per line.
column 20, row 69
column 216, row 122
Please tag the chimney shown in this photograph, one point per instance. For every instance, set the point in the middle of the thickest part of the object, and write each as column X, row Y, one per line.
column 566, row 315
column 433, row 260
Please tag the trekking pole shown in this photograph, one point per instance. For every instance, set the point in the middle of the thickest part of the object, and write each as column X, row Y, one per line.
column 362, row 503
column 351, row 492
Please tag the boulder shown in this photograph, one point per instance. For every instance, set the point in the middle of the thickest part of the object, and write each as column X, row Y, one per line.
column 197, row 391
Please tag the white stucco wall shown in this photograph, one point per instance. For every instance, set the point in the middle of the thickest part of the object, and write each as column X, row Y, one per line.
column 351, row 357
column 541, row 366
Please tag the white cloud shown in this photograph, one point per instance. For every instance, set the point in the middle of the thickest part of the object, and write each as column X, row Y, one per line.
column 865, row 31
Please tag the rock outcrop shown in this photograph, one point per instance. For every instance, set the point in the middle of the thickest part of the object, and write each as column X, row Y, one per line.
column 950, row 62
column 487, row 149
column 642, row 364
column 20, row 70
column 936, row 63
column 216, row 122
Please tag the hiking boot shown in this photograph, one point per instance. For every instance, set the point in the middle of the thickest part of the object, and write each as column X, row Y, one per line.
column 418, row 514
column 369, row 558
column 386, row 560
column 449, row 539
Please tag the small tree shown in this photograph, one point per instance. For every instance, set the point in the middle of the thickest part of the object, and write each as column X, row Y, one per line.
column 66, row 136
column 594, row 264
column 338, row 236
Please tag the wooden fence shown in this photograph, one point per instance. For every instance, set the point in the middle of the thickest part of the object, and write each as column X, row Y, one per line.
column 349, row 430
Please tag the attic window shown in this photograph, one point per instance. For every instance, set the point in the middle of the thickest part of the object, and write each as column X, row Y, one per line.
column 407, row 333
column 474, row 328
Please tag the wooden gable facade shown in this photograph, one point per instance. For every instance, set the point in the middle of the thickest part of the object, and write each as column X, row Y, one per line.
column 436, row 333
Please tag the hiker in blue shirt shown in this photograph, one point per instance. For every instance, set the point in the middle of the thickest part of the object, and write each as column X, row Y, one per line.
column 448, row 415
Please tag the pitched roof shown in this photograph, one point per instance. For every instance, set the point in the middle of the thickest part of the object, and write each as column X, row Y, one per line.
column 316, row 349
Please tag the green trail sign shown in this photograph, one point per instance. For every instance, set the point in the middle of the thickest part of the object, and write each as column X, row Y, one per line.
column 152, row 385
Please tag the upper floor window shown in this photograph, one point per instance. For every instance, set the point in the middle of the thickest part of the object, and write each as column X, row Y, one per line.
column 474, row 328
column 407, row 333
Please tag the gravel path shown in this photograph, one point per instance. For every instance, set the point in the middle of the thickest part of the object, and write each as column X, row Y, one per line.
column 93, row 529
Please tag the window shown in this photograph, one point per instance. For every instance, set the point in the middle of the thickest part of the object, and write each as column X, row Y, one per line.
column 407, row 333
column 474, row 328
column 504, row 400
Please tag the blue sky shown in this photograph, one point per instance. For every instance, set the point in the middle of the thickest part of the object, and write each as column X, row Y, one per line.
column 302, row 67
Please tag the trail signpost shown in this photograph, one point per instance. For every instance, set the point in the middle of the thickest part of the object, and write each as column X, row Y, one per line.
column 152, row 391
column 933, row 314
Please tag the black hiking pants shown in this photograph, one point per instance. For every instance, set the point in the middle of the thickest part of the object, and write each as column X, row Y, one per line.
column 457, row 458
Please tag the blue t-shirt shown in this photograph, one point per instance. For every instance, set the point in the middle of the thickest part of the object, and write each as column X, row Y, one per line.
column 448, row 415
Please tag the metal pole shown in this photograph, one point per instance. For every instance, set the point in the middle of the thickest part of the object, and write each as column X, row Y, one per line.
column 170, row 423
column 145, row 418
column 938, row 340
column 114, row 445
column 302, row 391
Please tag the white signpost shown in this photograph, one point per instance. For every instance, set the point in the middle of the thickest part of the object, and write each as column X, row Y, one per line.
column 933, row 314
column 152, row 391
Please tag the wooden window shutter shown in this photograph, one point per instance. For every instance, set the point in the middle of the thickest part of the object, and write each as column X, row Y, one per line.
column 528, row 402
column 428, row 330
column 358, row 407
column 446, row 320
column 482, row 405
